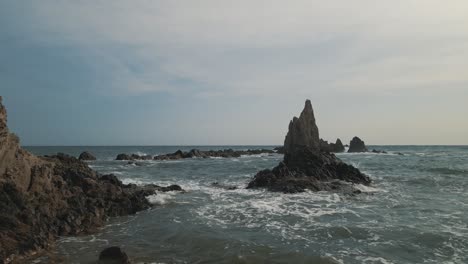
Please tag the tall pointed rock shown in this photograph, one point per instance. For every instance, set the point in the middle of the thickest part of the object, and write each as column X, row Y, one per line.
column 303, row 132
column 305, row 166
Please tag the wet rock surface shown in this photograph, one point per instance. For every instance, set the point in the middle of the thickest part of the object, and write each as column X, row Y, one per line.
column 45, row 197
column 113, row 255
column 305, row 166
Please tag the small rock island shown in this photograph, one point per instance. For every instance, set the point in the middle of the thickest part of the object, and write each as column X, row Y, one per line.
column 306, row 165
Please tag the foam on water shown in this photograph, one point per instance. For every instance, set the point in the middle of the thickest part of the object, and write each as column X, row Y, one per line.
column 415, row 211
column 161, row 198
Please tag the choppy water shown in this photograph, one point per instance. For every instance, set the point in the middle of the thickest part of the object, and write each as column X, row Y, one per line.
column 415, row 212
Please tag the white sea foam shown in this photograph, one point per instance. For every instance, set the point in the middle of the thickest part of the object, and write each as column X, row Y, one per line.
column 374, row 260
column 133, row 181
column 368, row 189
column 161, row 198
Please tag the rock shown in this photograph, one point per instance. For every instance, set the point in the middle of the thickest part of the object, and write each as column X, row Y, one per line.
column 302, row 132
column 279, row 150
column 338, row 146
column 113, row 255
column 86, row 156
column 226, row 153
column 306, row 167
column 3, row 118
column 42, row 198
column 225, row 187
column 171, row 188
column 379, row 151
column 331, row 147
column 357, row 145
column 123, row 157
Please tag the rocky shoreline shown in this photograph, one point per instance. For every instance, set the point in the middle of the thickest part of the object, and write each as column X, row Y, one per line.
column 42, row 198
column 308, row 163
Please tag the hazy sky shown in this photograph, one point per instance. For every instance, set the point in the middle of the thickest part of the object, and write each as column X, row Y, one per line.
column 233, row 72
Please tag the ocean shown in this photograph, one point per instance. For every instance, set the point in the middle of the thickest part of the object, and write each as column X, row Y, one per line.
column 416, row 211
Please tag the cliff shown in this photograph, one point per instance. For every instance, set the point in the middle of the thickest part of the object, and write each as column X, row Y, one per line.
column 45, row 197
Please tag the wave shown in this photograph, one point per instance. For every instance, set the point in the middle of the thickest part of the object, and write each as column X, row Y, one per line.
column 161, row 198
column 448, row 171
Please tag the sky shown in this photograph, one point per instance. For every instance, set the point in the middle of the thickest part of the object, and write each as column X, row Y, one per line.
column 211, row 72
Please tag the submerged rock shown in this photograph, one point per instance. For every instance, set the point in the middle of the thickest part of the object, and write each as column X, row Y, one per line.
column 42, row 198
column 86, row 156
column 305, row 166
column 225, row 187
column 113, row 255
column 357, row 145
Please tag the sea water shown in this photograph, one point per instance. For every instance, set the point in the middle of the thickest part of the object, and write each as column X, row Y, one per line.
column 415, row 211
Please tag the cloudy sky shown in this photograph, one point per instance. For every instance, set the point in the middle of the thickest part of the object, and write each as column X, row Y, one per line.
column 167, row 72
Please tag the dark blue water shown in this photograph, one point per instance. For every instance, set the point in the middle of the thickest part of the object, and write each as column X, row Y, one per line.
column 415, row 211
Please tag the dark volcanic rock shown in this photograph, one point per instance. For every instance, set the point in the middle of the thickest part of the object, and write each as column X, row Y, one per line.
column 225, row 187
column 279, row 150
column 195, row 153
column 331, row 147
column 338, row 147
column 45, row 197
column 86, row 156
column 113, row 255
column 302, row 132
column 305, row 166
column 357, row 145
column 123, row 157
column 379, row 151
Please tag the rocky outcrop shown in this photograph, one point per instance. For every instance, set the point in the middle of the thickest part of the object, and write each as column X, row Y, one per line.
column 302, row 132
column 279, row 150
column 305, row 166
column 86, row 156
column 336, row 147
column 113, row 255
column 357, row 145
column 45, row 197
column 195, row 153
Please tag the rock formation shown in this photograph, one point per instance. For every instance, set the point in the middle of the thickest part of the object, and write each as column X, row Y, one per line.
column 302, row 132
column 305, row 166
column 113, row 255
column 336, row 147
column 45, row 197
column 357, row 145
column 86, row 156
column 195, row 153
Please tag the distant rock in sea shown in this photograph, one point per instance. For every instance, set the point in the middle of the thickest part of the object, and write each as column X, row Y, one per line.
column 357, row 145
column 336, row 147
column 305, row 166
column 42, row 198
column 279, row 150
column 86, row 156
column 196, row 153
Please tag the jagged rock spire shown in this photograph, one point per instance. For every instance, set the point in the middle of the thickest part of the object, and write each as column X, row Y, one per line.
column 303, row 132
